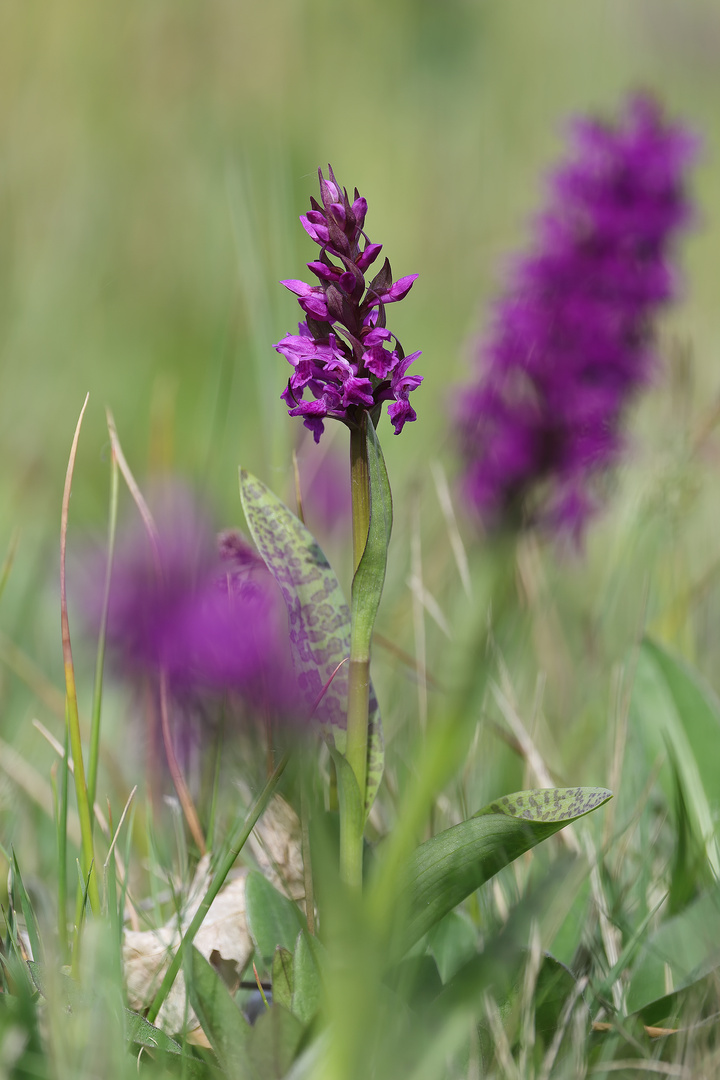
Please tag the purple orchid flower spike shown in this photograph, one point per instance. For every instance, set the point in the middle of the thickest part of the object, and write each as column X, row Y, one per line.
column 344, row 358
column 572, row 340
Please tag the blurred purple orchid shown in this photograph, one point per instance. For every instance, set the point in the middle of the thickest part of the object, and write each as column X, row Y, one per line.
column 572, row 340
column 206, row 612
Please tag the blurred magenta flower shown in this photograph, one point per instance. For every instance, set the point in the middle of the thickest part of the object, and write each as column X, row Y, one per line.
column 343, row 354
column 205, row 611
column 572, row 339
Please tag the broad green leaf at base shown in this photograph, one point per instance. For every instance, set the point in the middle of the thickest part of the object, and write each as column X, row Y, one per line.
column 449, row 867
column 221, row 1020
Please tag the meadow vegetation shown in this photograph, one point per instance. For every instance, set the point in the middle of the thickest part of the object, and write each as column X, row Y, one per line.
column 221, row 886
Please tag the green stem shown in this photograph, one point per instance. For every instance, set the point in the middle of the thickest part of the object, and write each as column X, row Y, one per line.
column 351, row 839
column 221, row 874
column 357, row 729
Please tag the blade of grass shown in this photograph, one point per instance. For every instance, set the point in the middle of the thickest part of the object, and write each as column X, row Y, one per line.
column 178, row 779
column 126, row 900
column 458, row 548
column 62, row 830
column 110, row 886
column 134, row 490
column 31, row 924
column 100, row 662
column 72, row 717
column 83, row 895
column 565, row 1017
column 98, row 814
column 126, row 808
column 73, row 828
column 113, row 907
column 627, row 955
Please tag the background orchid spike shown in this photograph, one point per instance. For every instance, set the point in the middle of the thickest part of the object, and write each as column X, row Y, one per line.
column 571, row 340
column 343, row 354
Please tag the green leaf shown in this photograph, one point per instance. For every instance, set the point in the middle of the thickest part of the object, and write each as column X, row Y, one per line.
column 272, row 919
column 16, row 976
column 69, row 988
column 554, row 986
column 686, row 946
column 573, row 922
column 221, row 1020
column 415, row 980
column 603, row 986
column 307, row 975
column 139, row 1031
column 551, row 806
column 369, row 577
column 452, row 941
column 318, row 617
column 690, row 874
column 31, row 924
column 497, row 968
column 671, row 705
column 449, row 867
column 274, row 1042
column 283, row 979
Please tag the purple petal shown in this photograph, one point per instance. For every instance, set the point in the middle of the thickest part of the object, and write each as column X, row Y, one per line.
column 318, row 231
column 300, row 288
column 314, row 424
column 368, row 256
column 325, row 272
column 396, row 291
column 359, row 209
column 401, row 412
column 357, row 392
column 315, row 305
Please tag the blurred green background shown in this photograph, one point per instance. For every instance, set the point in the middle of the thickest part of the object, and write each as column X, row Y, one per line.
column 154, row 159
